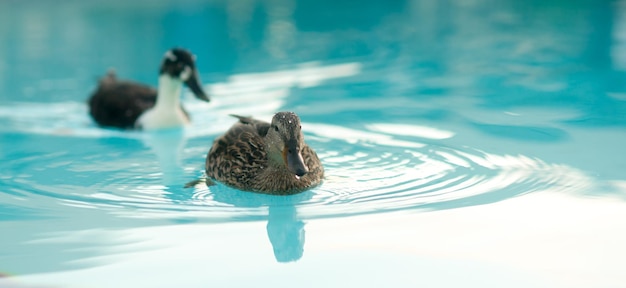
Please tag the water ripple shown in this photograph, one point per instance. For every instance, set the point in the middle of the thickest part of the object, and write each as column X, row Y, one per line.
column 368, row 170
column 430, row 177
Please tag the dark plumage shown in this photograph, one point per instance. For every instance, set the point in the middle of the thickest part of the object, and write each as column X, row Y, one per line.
column 263, row 157
column 119, row 103
column 122, row 104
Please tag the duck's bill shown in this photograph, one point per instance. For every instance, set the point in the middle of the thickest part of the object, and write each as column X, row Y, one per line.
column 294, row 161
column 194, row 85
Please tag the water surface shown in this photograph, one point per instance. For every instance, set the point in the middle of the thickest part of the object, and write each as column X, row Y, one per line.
column 478, row 139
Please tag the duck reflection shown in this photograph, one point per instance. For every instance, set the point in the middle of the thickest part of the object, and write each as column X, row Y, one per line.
column 285, row 229
column 167, row 145
column 286, row 233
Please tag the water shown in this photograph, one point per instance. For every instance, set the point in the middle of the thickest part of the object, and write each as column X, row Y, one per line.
column 465, row 143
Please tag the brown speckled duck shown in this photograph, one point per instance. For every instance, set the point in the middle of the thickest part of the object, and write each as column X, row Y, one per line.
column 263, row 157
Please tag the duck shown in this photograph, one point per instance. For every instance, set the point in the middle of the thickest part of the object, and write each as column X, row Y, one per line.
column 130, row 105
column 270, row 158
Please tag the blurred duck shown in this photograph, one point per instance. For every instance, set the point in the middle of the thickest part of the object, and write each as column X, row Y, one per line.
column 263, row 157
column 127, row 105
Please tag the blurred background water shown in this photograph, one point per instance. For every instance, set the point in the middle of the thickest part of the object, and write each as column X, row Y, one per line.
column 475, row 143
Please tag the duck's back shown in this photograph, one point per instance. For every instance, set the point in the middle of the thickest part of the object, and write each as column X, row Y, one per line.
column 120, row 103
column 237, row 157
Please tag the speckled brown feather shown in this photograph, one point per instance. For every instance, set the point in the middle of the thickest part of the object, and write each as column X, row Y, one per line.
column 239, row 159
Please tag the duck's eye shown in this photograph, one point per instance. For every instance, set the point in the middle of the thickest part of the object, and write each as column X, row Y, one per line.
column 275, row 128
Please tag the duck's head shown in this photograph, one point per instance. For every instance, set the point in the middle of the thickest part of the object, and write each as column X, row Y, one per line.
column 285, row 139
column 181, row 64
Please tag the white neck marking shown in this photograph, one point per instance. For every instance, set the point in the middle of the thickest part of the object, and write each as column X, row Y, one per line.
column 168, row 96
column 167, row 111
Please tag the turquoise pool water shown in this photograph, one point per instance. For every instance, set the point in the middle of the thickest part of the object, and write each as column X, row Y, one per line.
column 466, row 144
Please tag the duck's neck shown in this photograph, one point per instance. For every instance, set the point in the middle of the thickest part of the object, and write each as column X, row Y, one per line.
column 274, row 156
column 168, row 97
